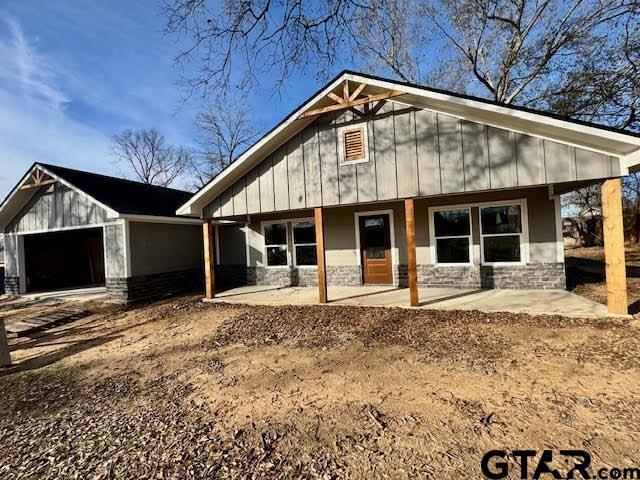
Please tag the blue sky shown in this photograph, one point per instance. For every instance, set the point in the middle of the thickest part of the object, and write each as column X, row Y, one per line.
column 75, row 72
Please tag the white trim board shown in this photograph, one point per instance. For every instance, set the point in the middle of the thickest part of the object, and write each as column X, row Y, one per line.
column 158, row 219
column 63, row 229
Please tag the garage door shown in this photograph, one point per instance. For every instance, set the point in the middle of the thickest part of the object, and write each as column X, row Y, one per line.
column 63, row 260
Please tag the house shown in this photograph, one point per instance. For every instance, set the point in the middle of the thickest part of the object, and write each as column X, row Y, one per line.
column 69, row 229
column 373, row 181
column 1, row 265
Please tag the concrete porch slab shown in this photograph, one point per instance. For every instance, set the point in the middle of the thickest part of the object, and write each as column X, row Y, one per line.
column 549, row 302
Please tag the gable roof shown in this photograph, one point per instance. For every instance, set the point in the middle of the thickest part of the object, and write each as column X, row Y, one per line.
column 117, row 196
column 121, row 195
column 587, row 135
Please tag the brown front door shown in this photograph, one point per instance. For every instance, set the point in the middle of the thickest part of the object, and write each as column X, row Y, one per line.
column 375, row 249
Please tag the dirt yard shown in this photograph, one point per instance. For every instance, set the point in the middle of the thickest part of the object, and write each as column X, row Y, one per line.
column 183, row 389
column 585, row 274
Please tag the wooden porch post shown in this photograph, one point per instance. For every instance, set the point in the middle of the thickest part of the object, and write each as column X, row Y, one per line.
column 5, row 356
column 209, row 259
column 320, row 254
column 614, row 247
column 409, row 216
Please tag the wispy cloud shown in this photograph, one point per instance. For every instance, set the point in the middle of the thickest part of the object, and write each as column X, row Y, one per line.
column 32, row 74
column 75, row 72
column 33, row 123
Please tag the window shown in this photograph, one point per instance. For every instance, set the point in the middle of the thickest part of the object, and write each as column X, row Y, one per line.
column 304, row 243
column 501, row 232
column 452, row 232
column 275, row 241
column 353, row 144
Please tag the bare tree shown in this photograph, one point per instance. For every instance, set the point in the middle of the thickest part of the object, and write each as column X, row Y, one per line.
column 508, row 50
column 585, row 208
column 579, row 58
column 225, row 130
column 151, row 159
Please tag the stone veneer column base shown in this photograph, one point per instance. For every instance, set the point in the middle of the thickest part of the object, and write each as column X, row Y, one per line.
column 145, row 287
column 535, row 276
column 12, row 285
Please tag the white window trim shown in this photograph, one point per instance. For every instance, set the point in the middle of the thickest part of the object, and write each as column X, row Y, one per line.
column 294, row 244
column 291, row 252
column 392, row 233
column 341, row 130
column 265, row 245
column 524, row 234
column 559, row 234
column 433, row 239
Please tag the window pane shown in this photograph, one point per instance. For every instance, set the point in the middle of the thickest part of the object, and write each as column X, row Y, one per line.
column 275, row 234
column 375, row 253
column 502, row 249
column 304, row 232
column 450, row 223
column 277, row 255
column 453, row 250
column 306, row 255
column 505, row 219
column 373, row 233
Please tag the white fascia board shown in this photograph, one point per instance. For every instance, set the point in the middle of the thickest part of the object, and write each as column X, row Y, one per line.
column 499, row 109
column 15, row 190
column 157, row 219
column 632, row 161
column 595, row 135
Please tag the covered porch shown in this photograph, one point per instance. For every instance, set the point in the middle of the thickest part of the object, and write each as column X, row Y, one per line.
column 537, row 302
column 534, row 283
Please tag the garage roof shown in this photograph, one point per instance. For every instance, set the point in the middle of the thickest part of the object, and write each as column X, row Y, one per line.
column 123, row 196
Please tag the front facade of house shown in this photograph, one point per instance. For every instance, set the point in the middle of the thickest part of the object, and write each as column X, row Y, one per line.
column 67, row 229
column 408, row 184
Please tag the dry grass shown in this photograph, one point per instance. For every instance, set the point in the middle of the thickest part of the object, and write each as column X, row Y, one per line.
column 182, row 389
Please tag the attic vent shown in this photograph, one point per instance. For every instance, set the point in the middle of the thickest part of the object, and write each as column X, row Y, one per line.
column 354, row 145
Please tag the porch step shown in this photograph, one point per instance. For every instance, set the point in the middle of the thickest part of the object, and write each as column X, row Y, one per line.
column 23, row 328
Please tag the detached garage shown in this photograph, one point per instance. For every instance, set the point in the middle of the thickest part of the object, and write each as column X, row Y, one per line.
column 68, row 229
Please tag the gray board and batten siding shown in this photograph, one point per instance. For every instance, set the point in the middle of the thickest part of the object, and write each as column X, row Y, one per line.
column 57, row 206
column 412, row 153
